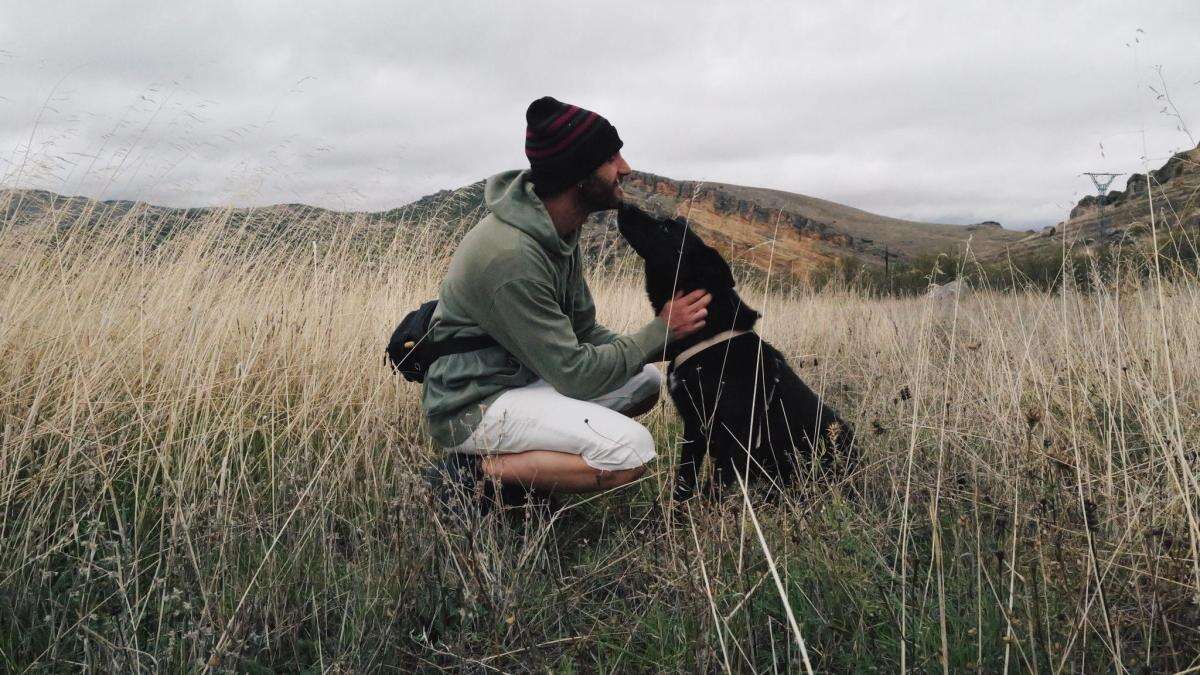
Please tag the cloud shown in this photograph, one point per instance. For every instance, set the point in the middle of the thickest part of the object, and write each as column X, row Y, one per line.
column 940, row 111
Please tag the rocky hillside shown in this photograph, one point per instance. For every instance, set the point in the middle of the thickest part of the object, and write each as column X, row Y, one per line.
column 1176, row 201
column 1123, row 216
column 788, row 232
column 800, row 234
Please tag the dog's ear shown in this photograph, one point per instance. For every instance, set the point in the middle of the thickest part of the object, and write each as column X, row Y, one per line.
column 747, row 316
column 703, row 265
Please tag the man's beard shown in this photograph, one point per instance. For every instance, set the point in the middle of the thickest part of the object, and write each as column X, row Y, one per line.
column 598, row 194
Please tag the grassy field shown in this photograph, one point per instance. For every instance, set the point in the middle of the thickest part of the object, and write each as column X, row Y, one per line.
column 205, row 464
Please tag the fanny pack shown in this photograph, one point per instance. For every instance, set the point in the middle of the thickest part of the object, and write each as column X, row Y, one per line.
column 410, row 351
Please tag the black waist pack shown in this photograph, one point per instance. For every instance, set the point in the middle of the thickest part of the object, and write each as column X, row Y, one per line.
column 410, row 351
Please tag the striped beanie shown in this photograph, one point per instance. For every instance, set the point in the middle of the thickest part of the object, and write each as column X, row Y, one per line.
column 565, row 143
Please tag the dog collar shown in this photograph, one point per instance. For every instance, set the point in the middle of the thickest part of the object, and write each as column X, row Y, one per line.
column 705, row 344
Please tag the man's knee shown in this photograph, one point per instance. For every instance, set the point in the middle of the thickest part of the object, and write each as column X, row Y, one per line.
column 606, row 480
column 642, row 406
column 646, row 392
column 628, row 451
column 650, row 380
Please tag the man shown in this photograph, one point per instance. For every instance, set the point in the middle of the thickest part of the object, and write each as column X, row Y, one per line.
column 550, row 408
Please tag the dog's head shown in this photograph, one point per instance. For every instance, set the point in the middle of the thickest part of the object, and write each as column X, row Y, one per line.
column 678, row 260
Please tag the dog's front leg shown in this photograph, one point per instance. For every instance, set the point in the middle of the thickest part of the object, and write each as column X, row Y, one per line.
column 729, row 461
column 690, row 461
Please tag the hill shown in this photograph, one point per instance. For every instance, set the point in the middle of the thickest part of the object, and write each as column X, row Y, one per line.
column 789, row 232
column 801, row 234
column 20, row 207
column 807, row 233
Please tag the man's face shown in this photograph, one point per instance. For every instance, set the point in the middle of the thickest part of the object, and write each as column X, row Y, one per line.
column 602, row 189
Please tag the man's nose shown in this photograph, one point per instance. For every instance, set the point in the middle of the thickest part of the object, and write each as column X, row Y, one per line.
column 623, row 167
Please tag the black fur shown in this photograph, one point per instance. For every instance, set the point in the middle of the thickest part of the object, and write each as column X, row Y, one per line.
column 739, row 400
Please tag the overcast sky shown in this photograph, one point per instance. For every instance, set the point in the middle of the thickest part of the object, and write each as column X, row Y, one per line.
column 951, row 112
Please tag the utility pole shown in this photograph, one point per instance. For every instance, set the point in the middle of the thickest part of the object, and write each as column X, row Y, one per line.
column 1101, row 181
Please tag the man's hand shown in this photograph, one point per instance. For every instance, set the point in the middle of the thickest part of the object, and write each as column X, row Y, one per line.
column 684, row 314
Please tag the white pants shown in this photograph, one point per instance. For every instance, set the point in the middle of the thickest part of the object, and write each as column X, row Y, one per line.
column 536, row 417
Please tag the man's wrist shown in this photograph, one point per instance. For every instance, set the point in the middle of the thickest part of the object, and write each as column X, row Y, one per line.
column 652, row 338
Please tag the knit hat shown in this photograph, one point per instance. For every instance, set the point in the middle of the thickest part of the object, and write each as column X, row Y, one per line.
column 565, row 143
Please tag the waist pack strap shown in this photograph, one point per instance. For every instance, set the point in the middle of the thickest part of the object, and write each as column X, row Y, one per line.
column 460, row 345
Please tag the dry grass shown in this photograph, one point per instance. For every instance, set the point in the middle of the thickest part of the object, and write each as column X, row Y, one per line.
column 205, row 463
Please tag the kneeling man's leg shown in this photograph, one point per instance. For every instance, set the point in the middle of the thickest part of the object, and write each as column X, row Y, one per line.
column 556, row 472
column 539, row 438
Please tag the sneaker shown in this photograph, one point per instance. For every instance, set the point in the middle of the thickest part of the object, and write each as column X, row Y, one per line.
column 457, row 483
column 455, row 480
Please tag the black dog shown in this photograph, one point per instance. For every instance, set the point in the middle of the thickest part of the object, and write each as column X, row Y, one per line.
column 739, row 399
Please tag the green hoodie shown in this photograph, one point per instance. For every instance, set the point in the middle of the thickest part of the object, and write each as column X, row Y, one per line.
column 514, row 278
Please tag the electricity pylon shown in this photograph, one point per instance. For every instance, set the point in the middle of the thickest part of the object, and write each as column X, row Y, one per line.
column 1101, row 181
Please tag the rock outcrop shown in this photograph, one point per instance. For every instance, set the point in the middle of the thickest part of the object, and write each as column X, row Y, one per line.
column 1175, row 187
column 742, row 229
